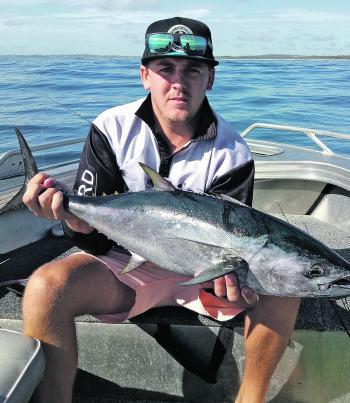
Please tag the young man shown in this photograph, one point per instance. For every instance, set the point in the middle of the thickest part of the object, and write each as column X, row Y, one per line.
column 175, row 131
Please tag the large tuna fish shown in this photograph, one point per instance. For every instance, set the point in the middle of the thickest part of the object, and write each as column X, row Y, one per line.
column 209, row 236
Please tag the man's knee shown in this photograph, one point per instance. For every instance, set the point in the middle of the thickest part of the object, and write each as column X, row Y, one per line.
column 277, row 304
column 278, row 313
column 75, row 285
column 47, row 285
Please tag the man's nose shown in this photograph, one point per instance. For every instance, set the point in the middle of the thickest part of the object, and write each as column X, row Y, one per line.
column 179, row 78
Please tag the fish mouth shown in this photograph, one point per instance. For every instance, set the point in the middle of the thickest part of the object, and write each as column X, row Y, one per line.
column 342, row 283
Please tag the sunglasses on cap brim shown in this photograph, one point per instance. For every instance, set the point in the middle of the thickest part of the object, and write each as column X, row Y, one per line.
column 192, row 45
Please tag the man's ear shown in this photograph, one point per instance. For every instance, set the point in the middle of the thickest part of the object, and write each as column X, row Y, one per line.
column 211, row 78
column 144, row 77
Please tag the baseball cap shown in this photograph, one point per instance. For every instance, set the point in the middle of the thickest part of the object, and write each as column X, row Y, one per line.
column 179, row 37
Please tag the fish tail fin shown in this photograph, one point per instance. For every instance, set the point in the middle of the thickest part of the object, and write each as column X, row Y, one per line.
column 15, row 202
column 30, row 169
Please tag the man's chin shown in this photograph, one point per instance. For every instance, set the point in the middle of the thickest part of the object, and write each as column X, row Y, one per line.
column 181, row 116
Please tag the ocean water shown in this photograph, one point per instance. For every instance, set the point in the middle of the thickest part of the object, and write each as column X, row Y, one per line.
column 52, row 98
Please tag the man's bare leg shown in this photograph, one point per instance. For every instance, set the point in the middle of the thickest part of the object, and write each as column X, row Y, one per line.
column 267, row 332
column 55, row 294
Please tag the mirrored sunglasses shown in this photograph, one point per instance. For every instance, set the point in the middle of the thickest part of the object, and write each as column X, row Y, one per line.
column 193, row 45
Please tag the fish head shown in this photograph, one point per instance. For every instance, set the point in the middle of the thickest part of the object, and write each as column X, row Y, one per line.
column 324, row 270
column 332, row 278
column 307, row 275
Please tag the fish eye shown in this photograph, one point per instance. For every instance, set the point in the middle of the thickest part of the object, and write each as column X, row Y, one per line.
column 315, row 270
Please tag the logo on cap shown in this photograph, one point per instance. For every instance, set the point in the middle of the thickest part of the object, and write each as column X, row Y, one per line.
column 179, row 29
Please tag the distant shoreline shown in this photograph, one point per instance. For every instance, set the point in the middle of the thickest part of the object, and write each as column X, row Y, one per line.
column 252, row 57
column 287, row 57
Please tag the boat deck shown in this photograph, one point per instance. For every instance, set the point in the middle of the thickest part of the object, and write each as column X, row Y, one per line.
column 113, row 358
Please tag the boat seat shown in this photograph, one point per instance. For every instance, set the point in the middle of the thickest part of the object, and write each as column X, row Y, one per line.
column 22, row 366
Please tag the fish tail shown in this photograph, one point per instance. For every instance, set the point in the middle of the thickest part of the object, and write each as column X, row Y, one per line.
column 30, row 169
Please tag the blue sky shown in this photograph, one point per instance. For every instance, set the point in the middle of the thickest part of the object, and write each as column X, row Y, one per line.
column 116, row 27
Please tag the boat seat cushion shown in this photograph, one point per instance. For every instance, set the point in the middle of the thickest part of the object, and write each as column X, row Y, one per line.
column 22, row 365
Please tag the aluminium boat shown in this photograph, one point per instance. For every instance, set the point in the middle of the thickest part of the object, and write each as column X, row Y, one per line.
column 171, row 354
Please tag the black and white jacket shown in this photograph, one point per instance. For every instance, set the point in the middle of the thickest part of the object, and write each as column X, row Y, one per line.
column 216, row 160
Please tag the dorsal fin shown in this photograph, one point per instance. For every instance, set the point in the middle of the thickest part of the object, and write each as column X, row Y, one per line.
column 231, row 199
column 158, row 181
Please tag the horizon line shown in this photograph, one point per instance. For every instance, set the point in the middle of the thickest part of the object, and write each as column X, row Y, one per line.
column 272, row 55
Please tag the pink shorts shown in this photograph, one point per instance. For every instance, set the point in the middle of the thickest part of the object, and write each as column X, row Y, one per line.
column 155, row 287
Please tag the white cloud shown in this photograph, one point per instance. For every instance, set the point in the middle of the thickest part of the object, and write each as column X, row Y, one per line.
column 83, row 18
column 131, row 5
column 117, row 26
column 261, row 16
column 310, row 16
column 106, row 5
column 13, row 22
column 196, row 13
column 22, row 3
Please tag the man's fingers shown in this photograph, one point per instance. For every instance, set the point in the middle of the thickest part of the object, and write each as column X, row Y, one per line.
column 228, row 287
column 49, row 183
column 233, row 291
column 57, row 207
column 220, row 287
column 39, row 178
column 30, row 197
column 45, row 198
column 34, row 188
column 60, row 186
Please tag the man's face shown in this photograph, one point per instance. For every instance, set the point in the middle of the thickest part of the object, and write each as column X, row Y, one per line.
column 177, row 87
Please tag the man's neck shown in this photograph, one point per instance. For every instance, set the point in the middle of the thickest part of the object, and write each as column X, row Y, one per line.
column 176, row 135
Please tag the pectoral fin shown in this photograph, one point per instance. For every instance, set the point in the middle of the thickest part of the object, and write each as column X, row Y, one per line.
column 235, row 265
column 135, row 262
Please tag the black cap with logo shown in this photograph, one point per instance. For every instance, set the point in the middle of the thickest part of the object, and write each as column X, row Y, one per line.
column 179, row 37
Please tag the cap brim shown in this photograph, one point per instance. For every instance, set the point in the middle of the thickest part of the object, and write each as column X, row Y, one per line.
column 211, row 62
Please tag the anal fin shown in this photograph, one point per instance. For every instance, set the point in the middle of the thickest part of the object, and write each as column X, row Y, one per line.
column 135, row 262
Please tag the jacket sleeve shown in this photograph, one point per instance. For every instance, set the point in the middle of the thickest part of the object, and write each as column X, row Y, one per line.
column 237, row 183
column 98, row 173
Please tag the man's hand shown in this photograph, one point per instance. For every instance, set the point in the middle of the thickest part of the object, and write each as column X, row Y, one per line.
column 227, row 286
column 44, row 198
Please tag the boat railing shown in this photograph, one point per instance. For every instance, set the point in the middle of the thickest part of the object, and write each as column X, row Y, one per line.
column 312, row 134
column 11, row 161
